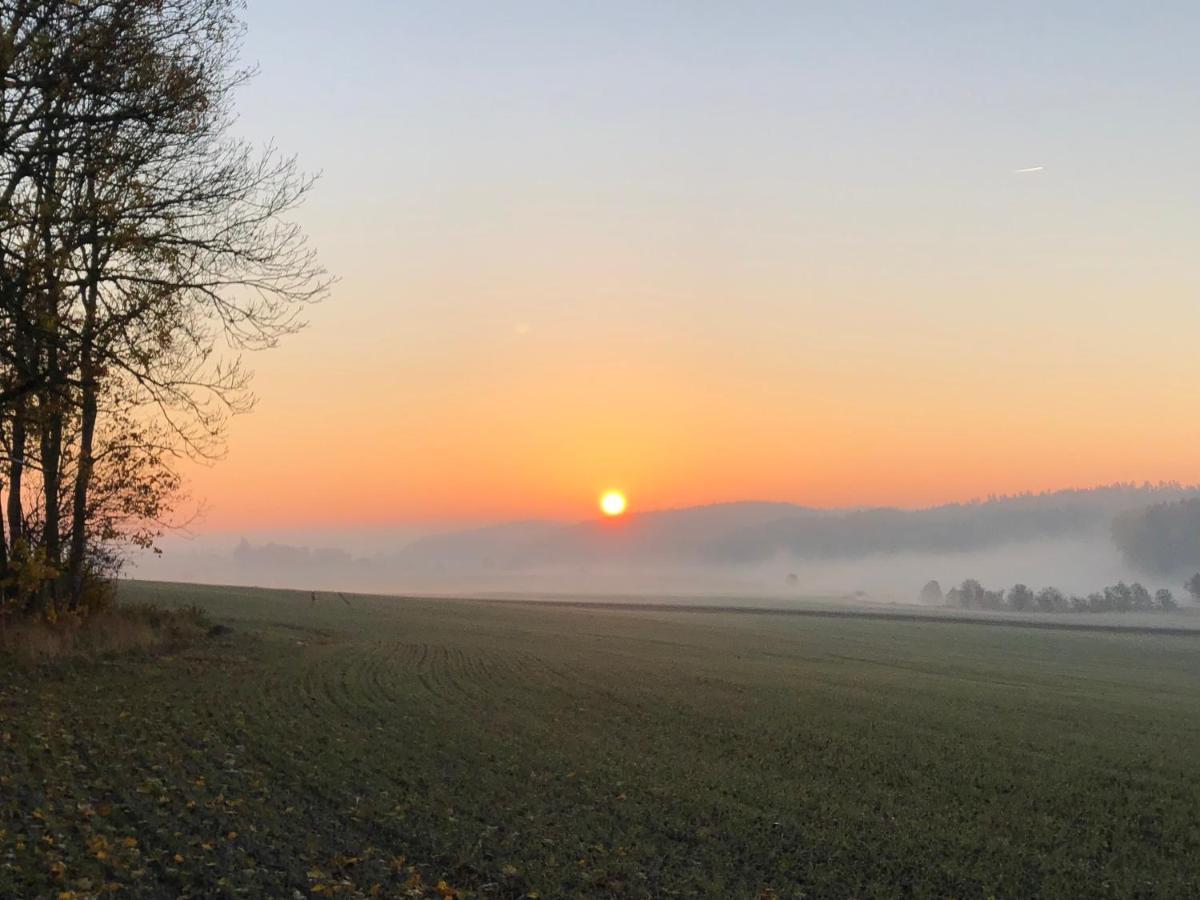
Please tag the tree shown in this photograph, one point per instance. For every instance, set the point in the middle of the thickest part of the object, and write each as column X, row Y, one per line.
column 931, row 594
column 1119, row 597
column 971, row 594
column 1165, row 600
column 1162, row 539
column 1051, row 599
column 1020, row 598
column 137, row 236
column 1192, row 586
column 993, row 600
column 1141, row 598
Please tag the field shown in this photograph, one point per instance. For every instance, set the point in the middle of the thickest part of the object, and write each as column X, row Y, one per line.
column 364, row 746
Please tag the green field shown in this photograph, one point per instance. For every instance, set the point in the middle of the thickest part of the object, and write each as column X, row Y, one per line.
column 373, row 746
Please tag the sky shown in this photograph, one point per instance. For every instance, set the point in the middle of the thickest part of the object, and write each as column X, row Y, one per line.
column 716, row 251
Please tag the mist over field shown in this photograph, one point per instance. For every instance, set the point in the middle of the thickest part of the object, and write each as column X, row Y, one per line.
column 738, row 552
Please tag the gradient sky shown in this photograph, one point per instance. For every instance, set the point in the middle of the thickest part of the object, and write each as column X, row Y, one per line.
column 711, row 251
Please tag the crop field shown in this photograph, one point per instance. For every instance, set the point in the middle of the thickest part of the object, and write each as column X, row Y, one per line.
column 366, row 746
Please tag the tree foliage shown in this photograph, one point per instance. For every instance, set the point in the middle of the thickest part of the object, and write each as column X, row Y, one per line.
column 1120, row 597
column 1163, row 539
column 142, row 248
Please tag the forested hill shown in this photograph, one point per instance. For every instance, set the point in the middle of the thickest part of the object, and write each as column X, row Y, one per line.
column 739, row 533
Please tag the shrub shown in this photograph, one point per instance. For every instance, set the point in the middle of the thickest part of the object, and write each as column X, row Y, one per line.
column 35, row 639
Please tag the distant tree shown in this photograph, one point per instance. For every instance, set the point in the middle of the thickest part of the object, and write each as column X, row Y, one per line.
column 954, row 597
column 1100, row 602
column 1119, row 597
column 931, row 594
column 971, row 593
column 1165, row 600
column 1020, row 598
column 1192, row 585
column 1160, row 539
column 1142, row 599
column 993, row 599
column 1051, row 599
column 1079, row 604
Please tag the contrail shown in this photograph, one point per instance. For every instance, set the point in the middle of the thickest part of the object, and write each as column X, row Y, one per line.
column 1030, row 169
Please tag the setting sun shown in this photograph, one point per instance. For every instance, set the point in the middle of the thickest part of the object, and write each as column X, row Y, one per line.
column 612, row 503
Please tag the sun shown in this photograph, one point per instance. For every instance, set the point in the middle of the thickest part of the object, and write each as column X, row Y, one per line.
column 612, row 503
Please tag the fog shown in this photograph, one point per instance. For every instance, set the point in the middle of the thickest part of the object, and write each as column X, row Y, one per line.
column 750, row 553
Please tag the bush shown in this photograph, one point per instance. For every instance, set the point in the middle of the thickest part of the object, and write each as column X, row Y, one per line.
column 107, row 632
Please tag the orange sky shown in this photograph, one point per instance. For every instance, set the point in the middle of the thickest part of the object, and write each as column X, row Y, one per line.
column 492, row 419
column 786, row 256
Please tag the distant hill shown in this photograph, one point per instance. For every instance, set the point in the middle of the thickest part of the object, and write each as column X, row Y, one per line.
column 943, row 529
column 742, row 533
column 493, row 546
column 1079, row 540
column 675, row 535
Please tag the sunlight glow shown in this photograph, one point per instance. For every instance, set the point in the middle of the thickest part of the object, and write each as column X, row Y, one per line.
column 612, row 503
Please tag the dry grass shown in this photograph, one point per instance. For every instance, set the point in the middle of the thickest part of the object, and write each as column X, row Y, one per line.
column 122, row 629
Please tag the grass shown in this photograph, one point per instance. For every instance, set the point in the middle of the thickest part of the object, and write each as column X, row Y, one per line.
column 123, row 629
column 369, row 746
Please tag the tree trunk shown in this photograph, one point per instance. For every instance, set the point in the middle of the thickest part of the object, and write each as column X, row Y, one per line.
column 3, row 555
column 50, row 415
column 51, row 445
column 83, row 475
column 16, row 472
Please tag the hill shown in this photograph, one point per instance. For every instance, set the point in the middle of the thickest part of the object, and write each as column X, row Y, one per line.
column 746, row 533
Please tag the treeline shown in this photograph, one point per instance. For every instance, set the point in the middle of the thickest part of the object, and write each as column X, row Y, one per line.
column 1163, row 539
column 943, row 529
column 142, row 247
column 1120, row 597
